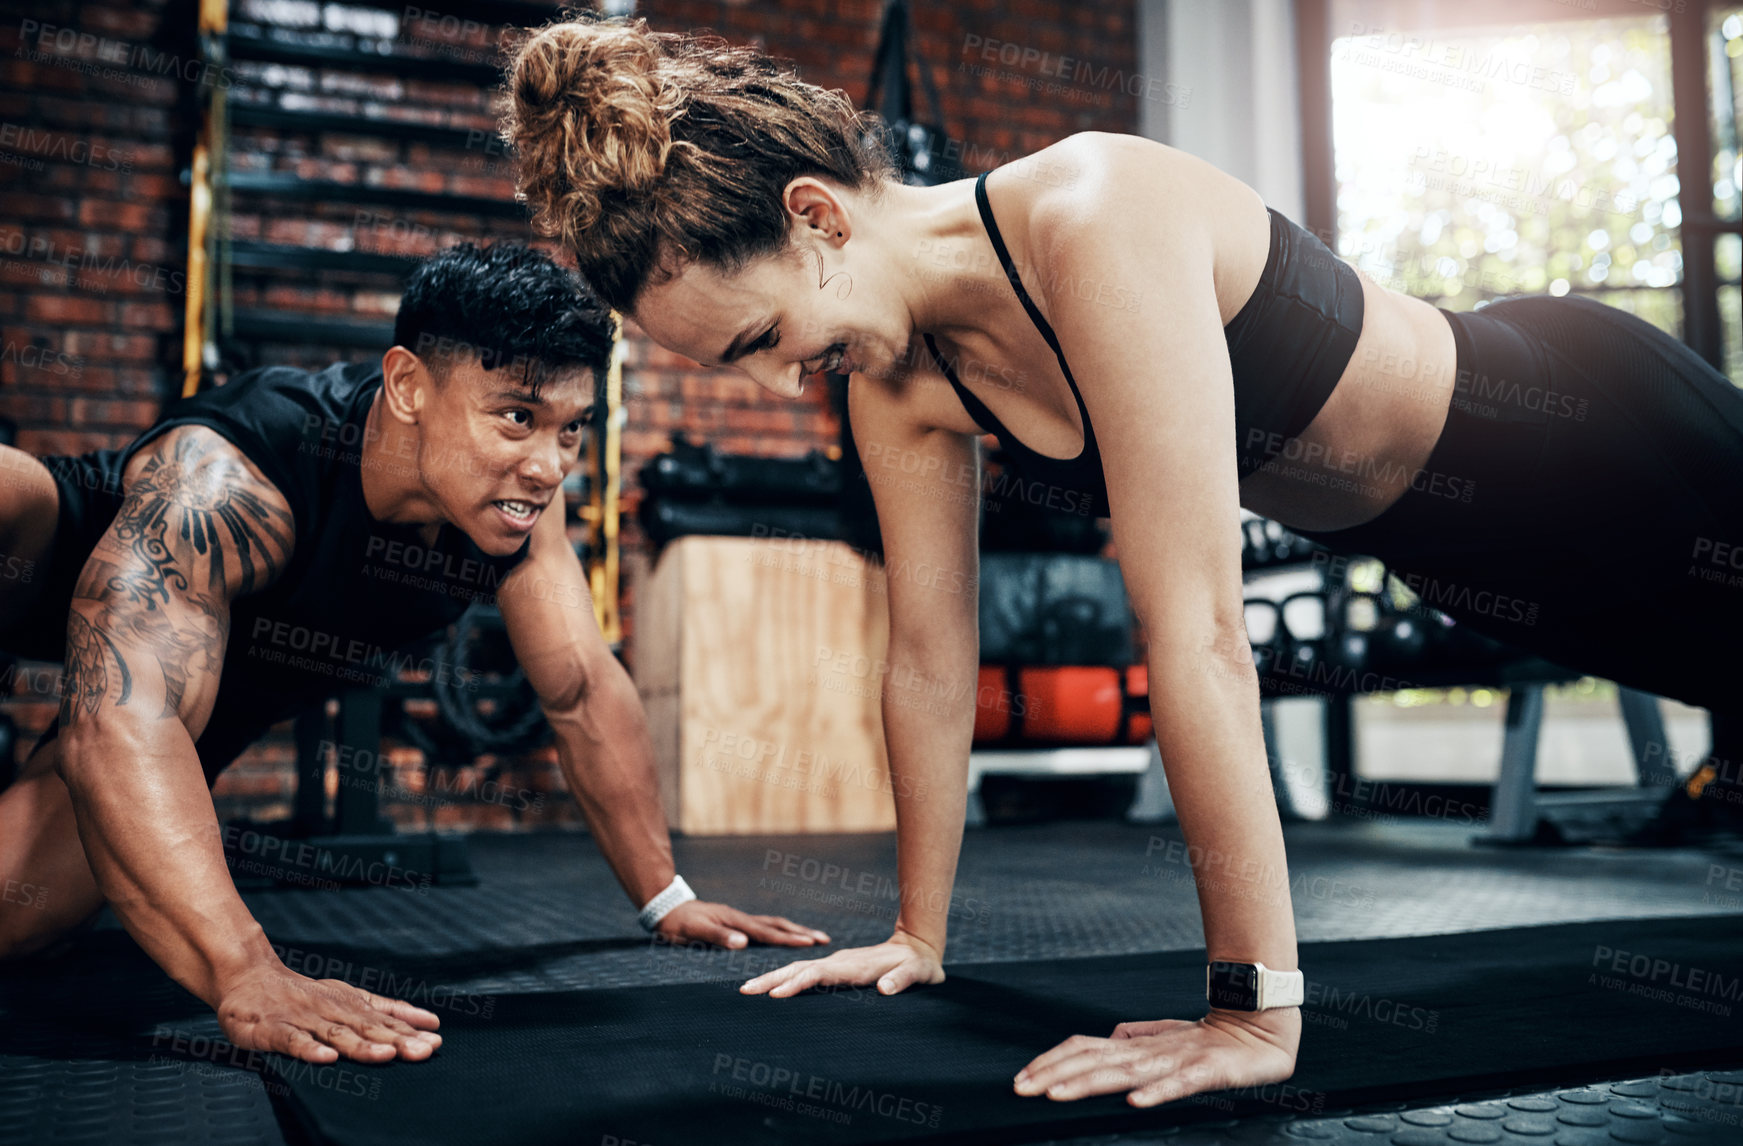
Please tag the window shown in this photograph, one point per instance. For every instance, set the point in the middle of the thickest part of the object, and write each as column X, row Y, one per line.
column 1725, row 79
column 1477, row 162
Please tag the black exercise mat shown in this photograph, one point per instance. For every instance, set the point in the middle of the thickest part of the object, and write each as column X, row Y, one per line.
column 1385, row 1019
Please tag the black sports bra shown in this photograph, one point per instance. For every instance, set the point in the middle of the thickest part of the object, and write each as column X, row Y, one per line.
column 1288, row 347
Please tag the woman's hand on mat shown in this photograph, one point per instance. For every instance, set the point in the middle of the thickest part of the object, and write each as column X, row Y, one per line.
column 702, row 922
column 894, row 966
column 1168, row 1059
column 322, row 1021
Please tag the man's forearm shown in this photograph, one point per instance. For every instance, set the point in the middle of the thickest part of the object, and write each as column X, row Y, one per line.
column 1205, row 706
column 608, row 759
column 150, row 833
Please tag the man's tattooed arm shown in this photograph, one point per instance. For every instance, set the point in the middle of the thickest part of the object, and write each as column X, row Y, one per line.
column 151, row 611
column 199, row 528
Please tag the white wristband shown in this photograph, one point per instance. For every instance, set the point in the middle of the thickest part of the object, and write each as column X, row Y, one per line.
column 661, row 905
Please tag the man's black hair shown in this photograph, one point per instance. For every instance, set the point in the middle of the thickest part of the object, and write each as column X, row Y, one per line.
column 507, row 305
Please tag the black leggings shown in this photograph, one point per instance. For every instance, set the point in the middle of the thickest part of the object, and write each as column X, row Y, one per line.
column 1584, row 501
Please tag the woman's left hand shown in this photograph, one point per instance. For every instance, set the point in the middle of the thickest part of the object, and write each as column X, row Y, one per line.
column 1168, row 1059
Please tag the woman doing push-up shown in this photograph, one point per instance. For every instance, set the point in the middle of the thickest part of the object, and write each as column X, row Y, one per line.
column 1140, row 330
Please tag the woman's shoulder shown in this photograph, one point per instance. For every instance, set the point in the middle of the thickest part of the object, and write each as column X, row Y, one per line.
column 1099, row 170
column 1099, row 191
column 1106, row 183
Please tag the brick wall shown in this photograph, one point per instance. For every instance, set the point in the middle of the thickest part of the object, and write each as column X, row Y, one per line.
column 93, row 220
column 97, row 115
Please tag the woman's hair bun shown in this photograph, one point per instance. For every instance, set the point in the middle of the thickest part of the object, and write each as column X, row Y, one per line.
column 643, row 151
column 588, row 115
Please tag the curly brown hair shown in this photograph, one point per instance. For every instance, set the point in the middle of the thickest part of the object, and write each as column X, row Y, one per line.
column 642, row 151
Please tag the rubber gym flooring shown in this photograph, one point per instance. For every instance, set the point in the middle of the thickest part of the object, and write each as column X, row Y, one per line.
column 100, row 1047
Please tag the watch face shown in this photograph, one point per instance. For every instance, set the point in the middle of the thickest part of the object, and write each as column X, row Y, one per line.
column 1234, row 986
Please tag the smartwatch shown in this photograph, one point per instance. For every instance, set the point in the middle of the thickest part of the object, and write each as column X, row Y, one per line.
column 1252, row 987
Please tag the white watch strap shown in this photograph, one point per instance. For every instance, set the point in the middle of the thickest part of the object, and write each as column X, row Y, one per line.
column 661, row 905
column 1280, row 988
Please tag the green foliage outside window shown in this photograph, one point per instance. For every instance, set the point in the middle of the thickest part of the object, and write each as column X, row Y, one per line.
column 1521, row 160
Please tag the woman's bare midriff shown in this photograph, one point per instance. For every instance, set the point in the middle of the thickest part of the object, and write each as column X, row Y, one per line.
column 1369, row 441
column 1372, row 438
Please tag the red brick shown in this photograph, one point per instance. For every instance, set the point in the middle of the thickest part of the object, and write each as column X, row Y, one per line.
column 67, row 309
column 154, row 186
column 406, row 178
column 149, row 156
column 153, row 249
column 120, row 216
column 92, row 379
column 23, row 206
column 117, row 23
column 42, row 442
column 148, row 316
column 57, row 244
column 33, row 408
column 375, row 304
column 360, row 149
column 123, row 278
column 483, row 187
column 32, row 278
column 423, row 94
column 93, row 412
column 324, row 169
column 303, row 299
column 111, row 345
column 139, row 382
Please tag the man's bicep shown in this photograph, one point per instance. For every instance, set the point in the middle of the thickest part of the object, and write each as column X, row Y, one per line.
column 195, row 486
column 198, row 528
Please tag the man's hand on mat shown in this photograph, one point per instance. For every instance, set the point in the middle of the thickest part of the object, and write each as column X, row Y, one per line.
column 276, row 1009
column 1169, row 1059
column 894, row 966
column 702, row 922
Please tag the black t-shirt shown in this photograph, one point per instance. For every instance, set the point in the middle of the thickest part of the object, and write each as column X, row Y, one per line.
column 356, row 590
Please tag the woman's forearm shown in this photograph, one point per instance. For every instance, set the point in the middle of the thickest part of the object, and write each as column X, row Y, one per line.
column 1205, row 705
column 928, row 708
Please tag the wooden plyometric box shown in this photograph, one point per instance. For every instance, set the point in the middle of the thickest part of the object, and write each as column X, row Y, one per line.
column 761, row 663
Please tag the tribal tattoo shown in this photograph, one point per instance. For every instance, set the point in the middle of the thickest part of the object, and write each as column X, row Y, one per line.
column 196, row 530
